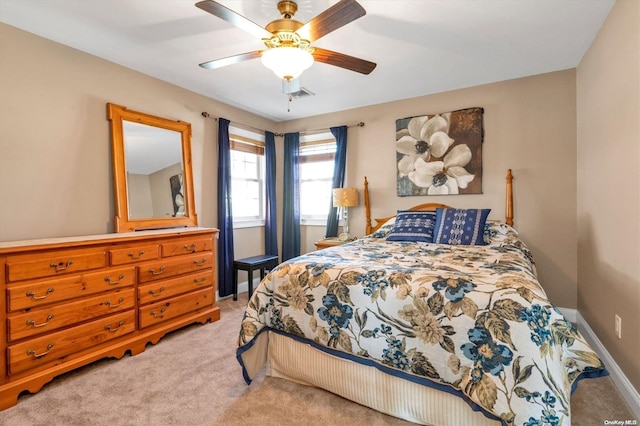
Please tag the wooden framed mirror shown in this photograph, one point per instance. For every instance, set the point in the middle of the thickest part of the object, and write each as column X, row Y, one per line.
column 152, row 173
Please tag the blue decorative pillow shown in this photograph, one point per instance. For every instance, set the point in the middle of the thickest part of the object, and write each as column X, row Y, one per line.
column 460, row 226
column 413, row 226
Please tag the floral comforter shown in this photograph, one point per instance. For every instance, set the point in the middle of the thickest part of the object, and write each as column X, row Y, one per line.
column 470, row 319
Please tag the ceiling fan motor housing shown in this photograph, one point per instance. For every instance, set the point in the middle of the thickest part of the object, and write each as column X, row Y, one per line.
column 283, row 25
column 287, row 8
column 284, row 29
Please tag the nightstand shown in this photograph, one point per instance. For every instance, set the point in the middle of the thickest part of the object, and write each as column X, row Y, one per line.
column 330, row 242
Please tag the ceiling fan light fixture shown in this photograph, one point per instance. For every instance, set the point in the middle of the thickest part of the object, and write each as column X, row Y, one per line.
column 287, row 62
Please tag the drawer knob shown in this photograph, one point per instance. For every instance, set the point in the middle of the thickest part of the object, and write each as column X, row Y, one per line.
column 133, row 256
column 156, row 293
column 190, row 248
column 200, row 281
column 35, row 355
column 200, row 262
column 120, row 278
column 108, row 327
column 154, row 272
column 108, row 303
column 61, row 266
column 32, row 323
column 33, row 296
column 161, row 313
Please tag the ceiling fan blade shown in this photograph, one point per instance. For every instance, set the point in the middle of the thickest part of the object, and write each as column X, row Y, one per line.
column 331, row 19
column 343, row 61
column 230, row 60
column 233, row 18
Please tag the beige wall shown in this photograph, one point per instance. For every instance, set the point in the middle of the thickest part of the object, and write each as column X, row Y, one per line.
column 608, row 214
column 529, row 127
column 55, row 152
column 139, row 196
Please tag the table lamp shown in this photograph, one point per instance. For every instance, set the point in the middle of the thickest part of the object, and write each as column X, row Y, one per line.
column 343, row 198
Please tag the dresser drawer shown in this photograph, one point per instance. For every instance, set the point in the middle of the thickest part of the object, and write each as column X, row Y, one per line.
column 159, row 290
column 158, row 312
column 48, row 348
column 52, row 264
column 57, row 316
column 186, row 246
column 133, row 254
column 172, row 267
column 43, row 292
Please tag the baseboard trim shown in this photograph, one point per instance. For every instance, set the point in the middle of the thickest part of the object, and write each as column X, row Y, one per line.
column 629, row 393
column 243, row 287
column 569, row 313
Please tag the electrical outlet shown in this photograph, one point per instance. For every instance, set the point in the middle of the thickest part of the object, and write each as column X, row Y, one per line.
column 618, row 327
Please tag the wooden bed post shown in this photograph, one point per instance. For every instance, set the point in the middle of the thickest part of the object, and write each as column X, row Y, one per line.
column 367, row 207
column 509, row 201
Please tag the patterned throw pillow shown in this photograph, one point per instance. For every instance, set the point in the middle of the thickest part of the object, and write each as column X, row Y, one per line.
column 460, row 226
column 497, row 232
column 413, row 226
column 384, row 230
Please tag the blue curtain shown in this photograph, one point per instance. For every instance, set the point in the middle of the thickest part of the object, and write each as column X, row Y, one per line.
column 340, row 133
column 291, row 198
column 225, row 218
column 271, row 219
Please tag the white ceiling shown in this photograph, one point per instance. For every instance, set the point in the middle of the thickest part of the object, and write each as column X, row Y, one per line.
column 421, row 46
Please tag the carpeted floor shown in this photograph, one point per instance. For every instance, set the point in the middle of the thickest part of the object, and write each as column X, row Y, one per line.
column 191, row 377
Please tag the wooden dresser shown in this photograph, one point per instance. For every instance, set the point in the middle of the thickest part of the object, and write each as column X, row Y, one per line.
column 70, row 301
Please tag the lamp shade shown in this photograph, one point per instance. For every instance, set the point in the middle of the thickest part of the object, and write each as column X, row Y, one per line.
column 287, row 62
column 345, row 197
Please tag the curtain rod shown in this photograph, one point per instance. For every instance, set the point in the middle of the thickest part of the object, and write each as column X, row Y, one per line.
column 304, row 132
column 246, row 126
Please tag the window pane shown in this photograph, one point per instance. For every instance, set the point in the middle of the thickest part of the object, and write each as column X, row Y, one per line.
column 248, row 203
column 247, row 185
column 244, row 165
column 319, row 170
column 316, row 176
column 314, row 198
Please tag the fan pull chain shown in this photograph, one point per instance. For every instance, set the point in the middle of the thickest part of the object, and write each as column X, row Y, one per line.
column 289, row 95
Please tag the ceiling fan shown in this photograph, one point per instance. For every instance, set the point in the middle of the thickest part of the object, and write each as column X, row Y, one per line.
column 288, row 41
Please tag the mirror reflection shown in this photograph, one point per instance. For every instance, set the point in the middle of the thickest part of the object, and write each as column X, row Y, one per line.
column 154, row 171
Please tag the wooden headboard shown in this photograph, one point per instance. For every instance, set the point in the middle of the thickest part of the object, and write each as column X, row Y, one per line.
column 432, row 206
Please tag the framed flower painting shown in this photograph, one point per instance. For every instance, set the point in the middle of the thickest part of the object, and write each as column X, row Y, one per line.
column 440, row 154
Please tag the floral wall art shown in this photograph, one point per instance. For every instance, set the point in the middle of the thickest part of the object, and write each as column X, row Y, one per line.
column 440, row 154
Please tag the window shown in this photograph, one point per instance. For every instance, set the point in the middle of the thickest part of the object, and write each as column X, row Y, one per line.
column 247, row 181
column 317, row 156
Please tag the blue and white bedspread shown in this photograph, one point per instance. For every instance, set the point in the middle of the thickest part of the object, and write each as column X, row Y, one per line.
column 470, row 320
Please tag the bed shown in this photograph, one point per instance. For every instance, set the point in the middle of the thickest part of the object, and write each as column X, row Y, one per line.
column 435, row 316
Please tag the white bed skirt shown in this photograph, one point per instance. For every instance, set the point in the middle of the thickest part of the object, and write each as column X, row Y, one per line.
column 290, row 359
